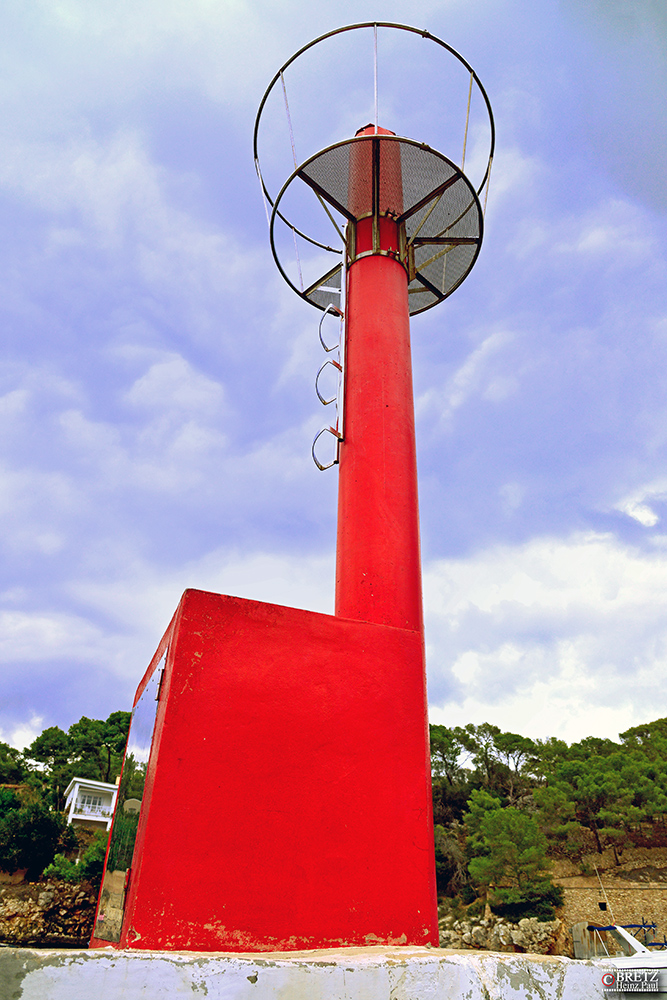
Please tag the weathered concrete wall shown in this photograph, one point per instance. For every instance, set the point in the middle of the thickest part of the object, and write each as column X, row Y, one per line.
column 346, row 974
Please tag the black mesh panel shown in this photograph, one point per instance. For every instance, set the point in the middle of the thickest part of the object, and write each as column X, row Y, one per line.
column 438, row 207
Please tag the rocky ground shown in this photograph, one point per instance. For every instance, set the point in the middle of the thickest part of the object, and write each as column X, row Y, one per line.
column 57, row 914
column 47, row 914
column 495, row 934
column 633, row 891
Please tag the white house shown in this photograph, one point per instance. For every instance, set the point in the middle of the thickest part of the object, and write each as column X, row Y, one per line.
column 90, row 803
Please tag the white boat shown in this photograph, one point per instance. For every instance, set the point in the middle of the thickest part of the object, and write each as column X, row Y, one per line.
column 635, row 955
column 635, row 969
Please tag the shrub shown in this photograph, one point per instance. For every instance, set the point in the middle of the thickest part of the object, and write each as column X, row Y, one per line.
column 63, row 870
column 8, row 800
column 468, row 895
column 450, row 866
column 536, row 899
column 92, row 862
column 90, row 867
column 29, row 838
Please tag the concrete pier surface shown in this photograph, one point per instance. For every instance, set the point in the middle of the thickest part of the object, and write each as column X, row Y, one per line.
column 337, row 974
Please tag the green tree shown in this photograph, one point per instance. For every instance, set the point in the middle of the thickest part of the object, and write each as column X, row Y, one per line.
column 446, row 748
column 450, row 863
column 92, row 748
column 514, row 752
column 53, row 748
column 506, row 846
column 29, row 838
column 479, row 741
column 12, row 767
column 602, row 787
column 499, row 758
column 8, row 800
column 97, row 746
column 480, row 804
column 548, row 754
column 647, row 735
column 450, row 779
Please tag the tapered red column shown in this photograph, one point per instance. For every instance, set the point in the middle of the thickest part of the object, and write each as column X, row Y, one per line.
column 378, row 564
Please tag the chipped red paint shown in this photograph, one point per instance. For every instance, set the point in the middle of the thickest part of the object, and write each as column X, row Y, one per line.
column 287, row 804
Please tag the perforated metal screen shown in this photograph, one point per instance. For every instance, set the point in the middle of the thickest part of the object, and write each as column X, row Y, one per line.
column 421, row 188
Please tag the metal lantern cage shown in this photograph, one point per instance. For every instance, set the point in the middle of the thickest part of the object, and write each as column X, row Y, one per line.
column 335, row 205
column 438, row 205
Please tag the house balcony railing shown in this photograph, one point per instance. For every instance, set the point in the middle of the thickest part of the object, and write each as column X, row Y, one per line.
column 87, row 810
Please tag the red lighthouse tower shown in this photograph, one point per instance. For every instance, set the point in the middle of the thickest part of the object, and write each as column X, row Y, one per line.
column 276, row 791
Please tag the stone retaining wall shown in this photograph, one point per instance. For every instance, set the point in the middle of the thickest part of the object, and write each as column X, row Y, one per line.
column 495, row 934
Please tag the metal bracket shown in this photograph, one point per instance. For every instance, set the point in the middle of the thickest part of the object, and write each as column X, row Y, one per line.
column 326, row 430
column 333, row 311
column 325, row 402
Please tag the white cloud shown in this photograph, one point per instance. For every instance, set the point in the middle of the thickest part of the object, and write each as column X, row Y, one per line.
column 25, row 733
column 514, row 175
column 615, row 229
column 144, row 596
column 170, row 442
column 137, row 603
column 640, row 512
column 511, row 495
column 42, row 635
column 94, row 54
column 172, row 383
column 121, row 619
column 637, row 504
column 32, row 502
column 472, row 379
column 12, row 405
column 108, row 202
column 553, row 637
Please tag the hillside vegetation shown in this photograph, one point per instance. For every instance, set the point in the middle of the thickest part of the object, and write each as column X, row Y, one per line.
column 504, row 805
column 33, row 832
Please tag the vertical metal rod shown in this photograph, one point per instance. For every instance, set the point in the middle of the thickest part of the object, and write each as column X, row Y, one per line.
column 465, row 135
column 488, row 183
column 289, row 119
column 264, row 201
column 376, row 193
column 298, row 259
column 375, row 72
column 291, row 137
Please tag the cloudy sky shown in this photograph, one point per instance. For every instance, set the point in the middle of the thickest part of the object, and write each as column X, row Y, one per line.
column 156, row 400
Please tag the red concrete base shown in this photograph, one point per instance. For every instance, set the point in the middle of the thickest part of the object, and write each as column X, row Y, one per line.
column 287, row 804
